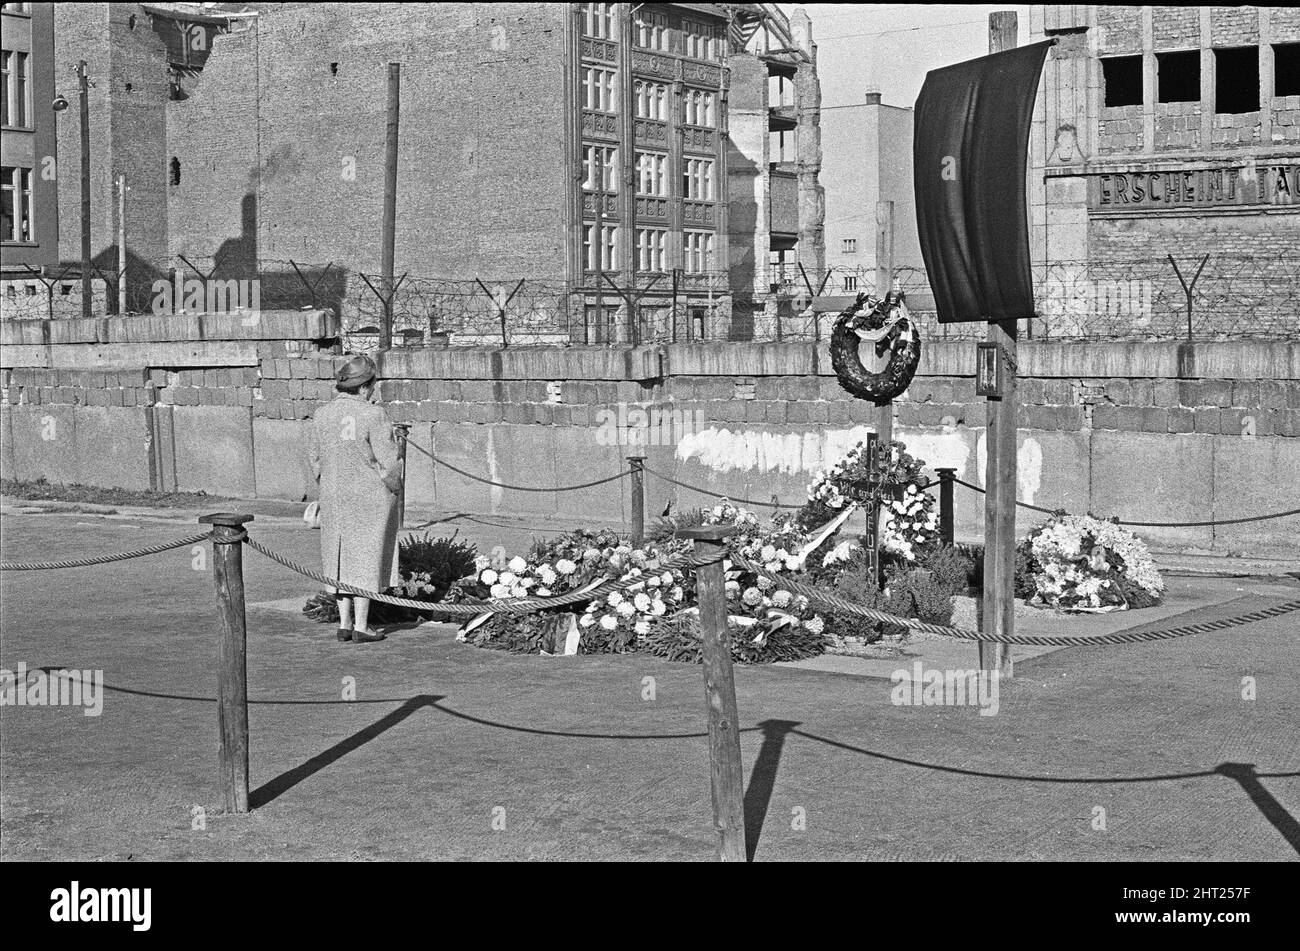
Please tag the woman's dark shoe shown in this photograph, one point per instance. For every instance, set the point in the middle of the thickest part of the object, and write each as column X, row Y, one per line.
column 367, row 636
column 345, row 634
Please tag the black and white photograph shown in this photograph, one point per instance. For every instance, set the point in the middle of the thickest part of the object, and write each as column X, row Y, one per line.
column 650, row 433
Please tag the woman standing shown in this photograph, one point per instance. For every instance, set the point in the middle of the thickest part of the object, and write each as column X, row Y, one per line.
column 354, row 459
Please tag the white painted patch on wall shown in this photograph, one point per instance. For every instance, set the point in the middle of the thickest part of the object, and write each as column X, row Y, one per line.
column 1029, row 466
column 755, row 451
column 494, row 492
column 939, row 450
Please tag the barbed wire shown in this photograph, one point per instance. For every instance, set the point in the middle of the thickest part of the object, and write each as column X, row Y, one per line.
column 1233, row 297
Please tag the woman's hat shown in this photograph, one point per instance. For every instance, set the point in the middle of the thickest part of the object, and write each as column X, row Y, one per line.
column 358, row 371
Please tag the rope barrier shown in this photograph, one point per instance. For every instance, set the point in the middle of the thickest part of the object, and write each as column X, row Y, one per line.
column 514, row 606
column 1224, row 521
column 103, row 559
column 518, row 606
column 716, row 495
column 818, row 596
column 518, row 488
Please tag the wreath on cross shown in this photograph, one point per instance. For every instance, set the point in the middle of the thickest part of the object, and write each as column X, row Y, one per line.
column 887, row 327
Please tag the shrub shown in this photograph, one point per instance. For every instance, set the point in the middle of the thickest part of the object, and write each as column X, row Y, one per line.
column 435, row 562
column 950, row 567
column 679, row 639
column 427, row 566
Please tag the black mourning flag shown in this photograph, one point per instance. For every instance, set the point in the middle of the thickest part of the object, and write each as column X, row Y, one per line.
column 969, row 155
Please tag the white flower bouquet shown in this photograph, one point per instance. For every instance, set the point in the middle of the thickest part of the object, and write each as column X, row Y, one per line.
column 1082, row 563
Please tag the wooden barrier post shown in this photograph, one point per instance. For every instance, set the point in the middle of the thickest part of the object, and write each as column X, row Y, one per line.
column 232, row 659
column 728, row 780
column 638, row 499
column 945, row 504
column 1000, row 469
column 403, row 433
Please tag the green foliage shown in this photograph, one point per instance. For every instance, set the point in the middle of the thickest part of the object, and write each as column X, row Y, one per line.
column 917, row 594
column 665, row 527
column 853, row 583
column 435, row 562
column 1023, row 583
column 428, row 568
column 679, row 639
column 951, row 568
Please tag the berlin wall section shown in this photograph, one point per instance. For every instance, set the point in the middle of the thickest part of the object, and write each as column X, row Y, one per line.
column 223, row 408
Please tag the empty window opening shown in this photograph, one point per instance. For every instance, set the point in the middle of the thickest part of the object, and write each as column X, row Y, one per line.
column 175, row 170
column 1236, row 79
column 1122, row 78
column 334, row 69
column 1286, row 69
column 1178, row 76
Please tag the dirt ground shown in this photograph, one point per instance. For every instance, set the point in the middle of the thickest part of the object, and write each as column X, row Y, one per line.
column 1133, row 752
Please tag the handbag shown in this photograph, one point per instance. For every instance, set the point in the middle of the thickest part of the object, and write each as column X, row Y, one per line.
column 311, row 515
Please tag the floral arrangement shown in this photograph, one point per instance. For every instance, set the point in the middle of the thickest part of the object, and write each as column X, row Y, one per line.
column 620, row 620
column 911, row 524
column 912, row 521
column 1082, row 563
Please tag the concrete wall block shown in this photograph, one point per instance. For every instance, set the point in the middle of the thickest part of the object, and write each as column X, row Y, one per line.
column 44, row 440
column 1208, row 420
column 1181, row 420
column 1178, row 486
column 214, row 450
column 281, row 463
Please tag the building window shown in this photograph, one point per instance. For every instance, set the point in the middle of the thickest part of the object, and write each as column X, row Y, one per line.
column 599, row 89
column 850, row 282
column 16, row 204
column 599, row 21
column 698, row 247
column 1122, row 78
column 781, row 146
column 1286, row 69
column 651, row 31
column 699, row 108
column 600, row 168
column 700, row 41
column 1178, row 76
column 849, row 246
column 1236, row 79
column 175, row 170
column 608, row 248
column 650, row 244
column 651, row 101
column 697, row 180
column 15, row 98
column 652, row 174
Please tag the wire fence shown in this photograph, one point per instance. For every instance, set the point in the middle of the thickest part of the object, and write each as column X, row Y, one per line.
column 1211, row 296
column 1207, row 296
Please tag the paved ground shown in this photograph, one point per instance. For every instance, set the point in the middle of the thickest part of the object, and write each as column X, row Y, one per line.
column 444, row 739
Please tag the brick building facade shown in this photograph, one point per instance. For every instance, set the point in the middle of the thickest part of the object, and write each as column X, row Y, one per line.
column 29, row 223
column 1168, row 131
column 619, row 151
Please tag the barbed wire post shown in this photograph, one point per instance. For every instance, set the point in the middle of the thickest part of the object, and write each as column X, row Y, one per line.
column 228, row 536
column 1189, row 289
column 728, row 780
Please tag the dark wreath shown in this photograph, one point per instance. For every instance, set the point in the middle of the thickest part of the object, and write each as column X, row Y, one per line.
column 888, row 324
